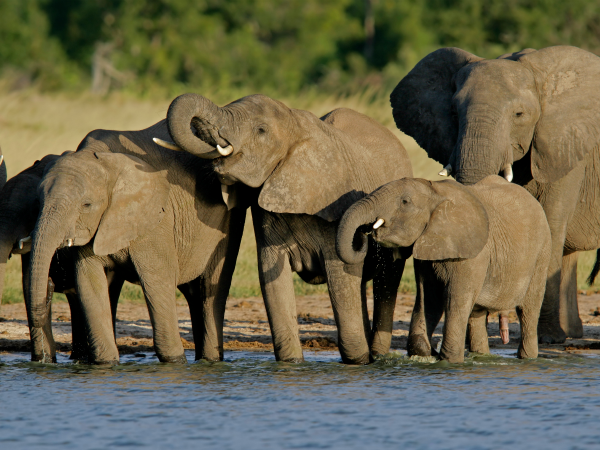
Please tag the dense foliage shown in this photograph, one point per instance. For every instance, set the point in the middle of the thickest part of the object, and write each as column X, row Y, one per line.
column 267, row 45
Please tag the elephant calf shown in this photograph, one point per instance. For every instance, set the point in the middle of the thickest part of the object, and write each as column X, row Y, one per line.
column 478, row 248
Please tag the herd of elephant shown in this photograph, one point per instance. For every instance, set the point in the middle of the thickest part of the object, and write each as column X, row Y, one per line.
column 332, row 199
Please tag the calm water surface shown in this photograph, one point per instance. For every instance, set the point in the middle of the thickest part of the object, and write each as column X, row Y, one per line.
column 250, row 401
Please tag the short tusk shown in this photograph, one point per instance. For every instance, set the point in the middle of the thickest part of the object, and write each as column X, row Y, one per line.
column 167, row 144
column 23, row 241
column 225, row 151
column 378, row 223
column 446, row 171
column 69, row 242
column 508, row 173
column 1, row 159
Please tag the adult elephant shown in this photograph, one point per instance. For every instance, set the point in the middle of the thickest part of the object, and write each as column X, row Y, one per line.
column 307, row 172
column 533, row 116
column 20, row 207
column 156, row 217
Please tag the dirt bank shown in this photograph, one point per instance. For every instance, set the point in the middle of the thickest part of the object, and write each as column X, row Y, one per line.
column 246, row 326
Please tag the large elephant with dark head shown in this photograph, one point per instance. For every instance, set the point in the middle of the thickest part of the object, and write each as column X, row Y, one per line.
column 19, row 204
column 532, row 116
column 156, row 217
column 307, row 171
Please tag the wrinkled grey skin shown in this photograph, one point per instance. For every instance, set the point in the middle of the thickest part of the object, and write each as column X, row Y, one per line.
column 477, row 248
column 306, row 172
column 150, row 214
column 538, row 111
column 20, row 207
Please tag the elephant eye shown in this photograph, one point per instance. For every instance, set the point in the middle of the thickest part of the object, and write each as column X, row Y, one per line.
column 519, row 114
column 86, row 205
column 261, row 129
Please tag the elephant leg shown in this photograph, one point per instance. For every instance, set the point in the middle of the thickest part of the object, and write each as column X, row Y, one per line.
column 559, row 202
column 477, row 332
column 427, row 312
column 43, row 346
column 349, row 309
column 79, row 345
column 157, row 278
column 115, row 285
column 195, row 296
column 385, row 290
column 275, row 275
column 92, row 287
column 529, row 313
column 570, row 321
column 215, row 289
column 458, row 311
column 277, row 285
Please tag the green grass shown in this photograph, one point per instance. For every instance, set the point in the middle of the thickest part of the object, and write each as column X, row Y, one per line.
column 34, row 125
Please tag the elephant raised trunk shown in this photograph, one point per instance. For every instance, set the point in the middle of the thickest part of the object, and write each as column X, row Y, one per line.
column 48, row 235
column 352, row 246
column 193, row 110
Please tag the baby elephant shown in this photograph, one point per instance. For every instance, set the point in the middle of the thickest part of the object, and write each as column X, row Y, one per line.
column 478, row 248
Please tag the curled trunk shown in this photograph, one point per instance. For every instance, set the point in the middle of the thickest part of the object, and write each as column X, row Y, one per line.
column 351, row 246
column 193, row 107
column 47, row 236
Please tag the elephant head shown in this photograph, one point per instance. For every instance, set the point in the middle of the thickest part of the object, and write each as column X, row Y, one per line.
column 478, row 116
column 109, row 198
column 20, row 206
column 439, row 220
column 302, row 164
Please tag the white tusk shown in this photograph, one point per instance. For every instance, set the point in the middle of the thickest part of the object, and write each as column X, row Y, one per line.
column 69, row 242
column 446, row 171
column 225, row 151
column 167, row 144
column 1, row 159
column 508, row 173
column 23, row 241
column 378, row 223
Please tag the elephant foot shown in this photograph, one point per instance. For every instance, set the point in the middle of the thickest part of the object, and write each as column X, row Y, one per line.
column 44, row 358
column 551, row 334
column 108, row 362
column 181, row 359
column 574, row 329
column 452, row 358
column 419, row 346
column 358, row 361
column 292, row 360
column 381, row 343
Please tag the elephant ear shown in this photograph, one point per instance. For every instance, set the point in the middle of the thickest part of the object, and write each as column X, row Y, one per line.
column 458, row 227
column 137, row 202
column 327, row 172
column 568, row 81
column 422, row 101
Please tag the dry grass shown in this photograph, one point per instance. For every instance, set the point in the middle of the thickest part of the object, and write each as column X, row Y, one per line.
column 33, row 125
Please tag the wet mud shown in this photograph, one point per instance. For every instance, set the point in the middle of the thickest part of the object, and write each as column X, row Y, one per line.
column 247, row 327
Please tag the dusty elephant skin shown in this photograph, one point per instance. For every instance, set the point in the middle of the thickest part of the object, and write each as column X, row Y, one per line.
column 20, row 207
column 478, row 249
column 151, row 215
column 534, row 116
column 306, row 172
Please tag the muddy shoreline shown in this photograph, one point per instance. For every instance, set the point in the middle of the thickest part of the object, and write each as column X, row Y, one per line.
column 247, row 327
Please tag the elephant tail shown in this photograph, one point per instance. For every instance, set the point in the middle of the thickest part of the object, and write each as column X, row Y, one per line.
column 595, row 269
